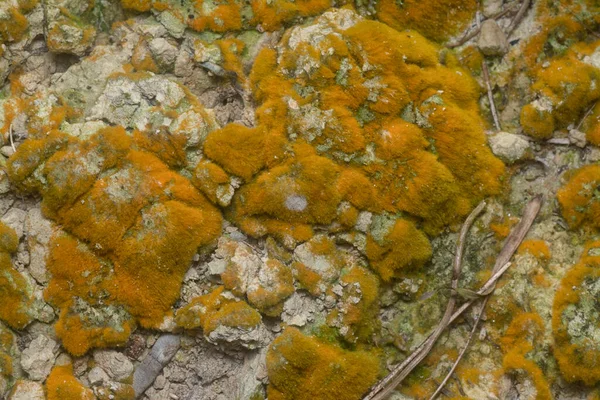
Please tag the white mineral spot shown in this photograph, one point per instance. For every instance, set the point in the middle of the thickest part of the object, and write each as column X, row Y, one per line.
column 296, row 202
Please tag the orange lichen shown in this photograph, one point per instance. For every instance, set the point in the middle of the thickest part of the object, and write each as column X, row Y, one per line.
column 579, row 198
column 437, row 20
column 15, row 292
column 342, row 121
column 142, row 59
column 525, row 330
column 301, row 367
column 62, row 385
column 14, row 26
column 404, row 247
column 272, row 15
column 137, row 226
column 216, row 309
column 575, row 302
column 275, row 283
column 537, row 248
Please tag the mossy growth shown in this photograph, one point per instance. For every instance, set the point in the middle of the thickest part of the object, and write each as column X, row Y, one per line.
column 16, row 294
column 273, row 15
column 8, row 348
column 518, row 344
column 217, row 309
column 13, row 24
column 302, row 367
column 344, row 120
column 62, row 385
column 437, row 20
column 565, row 88
column 575, row 320
column 537, row 248
column 132, row 223
column 579, row 198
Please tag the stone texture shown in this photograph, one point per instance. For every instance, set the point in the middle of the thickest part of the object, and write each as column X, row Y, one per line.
column 38, row 358
column 492, row 40
column 509, row 147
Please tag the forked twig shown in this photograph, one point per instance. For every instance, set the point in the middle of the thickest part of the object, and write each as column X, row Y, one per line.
column 486, row 78
column 389, row 383
column 512, row 243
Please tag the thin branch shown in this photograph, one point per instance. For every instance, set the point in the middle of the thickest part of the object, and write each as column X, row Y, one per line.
column 468, row 36
column 10, row 135
column 388, row 384
column 587, row 114
column 520, row 15
column 511, row 245
column 486, row 78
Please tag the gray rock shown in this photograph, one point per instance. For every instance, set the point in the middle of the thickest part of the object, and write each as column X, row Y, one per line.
column 39, row 230
column 492, row 40
column 98, row 377
column 164, row 52
column 163, row 350
column 15, row 218
column 509, row 147
column 491, row 7
column 38, row 358
column 577, row 138
column 116, row 364
column 172, row 24
column 7, row 151
column 27, row 390
column 4, row 183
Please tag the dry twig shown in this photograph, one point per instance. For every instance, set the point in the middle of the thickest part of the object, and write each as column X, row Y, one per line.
column 486, row 77
column 512, row 243
column 389, row 383
column 519, row 17
column 587, row 114
column 10, row 135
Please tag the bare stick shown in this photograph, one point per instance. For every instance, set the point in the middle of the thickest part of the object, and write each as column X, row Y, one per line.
column 520, row 15
column 511, row 245
column 468, row 36
column 486, row 78
column 10, row 135
column 587, row 114
column 462, row 352
column 390, row 383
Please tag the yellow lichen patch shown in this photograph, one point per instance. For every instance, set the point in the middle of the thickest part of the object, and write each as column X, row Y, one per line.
column 537, row 248
column 217, row 309
column 317, row 264
column 142, row 59
column 437, row 20
column 61, row 36
column 579, row 197
column 577, row 350
column 135, row 227
column 16, row 295
column 8, row 345
column 520, row 338
column 272, row 15
column 302, row 368
column 565, row 88
column 403, row 247
column 274, row 284
column 344, row 120
column 357, row 311
column 13, row 26
column 62, row 385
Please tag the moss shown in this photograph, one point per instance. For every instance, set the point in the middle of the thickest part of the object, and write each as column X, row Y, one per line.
column 62, row 385
column 301, row 367
column 579, row 198
column 272, row 15
column 14, row 26
column 537, row 123
column 575, row 320
column 275, row 284
column 437, row 20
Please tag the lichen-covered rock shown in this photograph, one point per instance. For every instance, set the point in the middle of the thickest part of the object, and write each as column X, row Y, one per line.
column 579, row 198
column 8, row 359
column 16, row 293
column 61, row 385
column 302, row 367
column 224, row 320
column 508, row 147
column 27, row 390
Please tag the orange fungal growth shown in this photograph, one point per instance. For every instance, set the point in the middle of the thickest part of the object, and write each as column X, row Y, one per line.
column 272, row 15
column 133, row 227
column 16, row 294
column 345, row 125
column 575, row 304
column 537, row 248
column 438, row 20
column 62, row 385
column 301, row 367
column 578, row 198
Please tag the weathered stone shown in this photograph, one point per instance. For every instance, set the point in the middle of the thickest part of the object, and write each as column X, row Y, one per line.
column 509, row 147
column 577, row 138
column 15, row 218
column 163, row 350
column 116, row 364
column 27, row 390
column 39, row 230
column 492, row 40
column 38, row 358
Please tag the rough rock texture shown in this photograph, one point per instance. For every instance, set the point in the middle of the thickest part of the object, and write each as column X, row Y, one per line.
column 242, row 200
